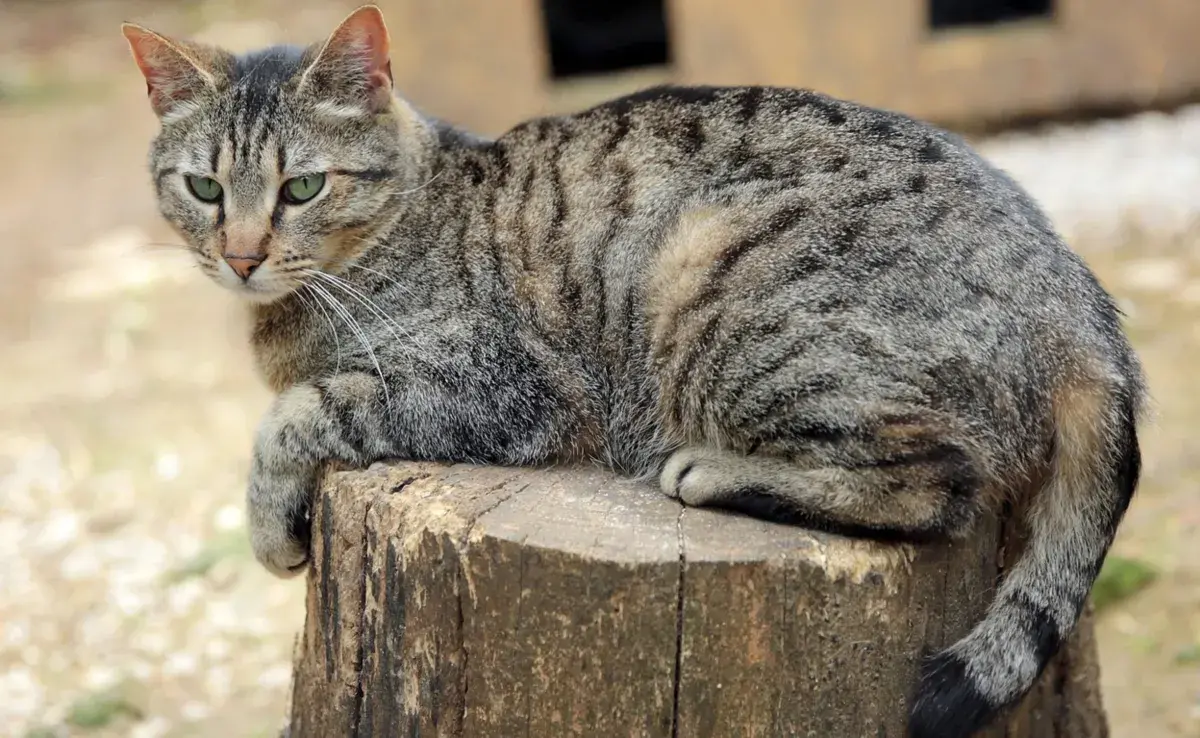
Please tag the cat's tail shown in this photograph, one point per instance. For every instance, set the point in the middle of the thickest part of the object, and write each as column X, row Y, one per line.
column 1072, row 521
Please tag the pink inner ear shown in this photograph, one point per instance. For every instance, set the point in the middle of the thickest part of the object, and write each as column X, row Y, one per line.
column 365, row 34
column 170, row 77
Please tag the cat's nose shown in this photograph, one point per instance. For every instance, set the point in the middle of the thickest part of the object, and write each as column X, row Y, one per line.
column 243, row 266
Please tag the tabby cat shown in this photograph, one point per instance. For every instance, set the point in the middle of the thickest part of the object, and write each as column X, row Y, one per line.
column 770, row 300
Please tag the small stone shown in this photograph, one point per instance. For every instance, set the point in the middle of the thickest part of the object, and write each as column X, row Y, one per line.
column 167, row 466
column 179, row 663
column 128, row 600
column 22, row 693
column 221, row 615
column 39, row 469
column 194, row 711
column 61, row 527
column 100, row 677
column 15, row 633
column 229, row 517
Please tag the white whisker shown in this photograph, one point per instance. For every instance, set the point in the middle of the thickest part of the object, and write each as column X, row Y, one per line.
column 337, row 340
column 359, row 333
column 365, row 301
column 433, row 360
column 420, row 187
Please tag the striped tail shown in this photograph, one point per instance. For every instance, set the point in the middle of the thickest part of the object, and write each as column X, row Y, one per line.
column 1072, row 521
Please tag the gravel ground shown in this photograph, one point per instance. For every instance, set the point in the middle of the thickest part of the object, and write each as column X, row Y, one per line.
column 129, row 604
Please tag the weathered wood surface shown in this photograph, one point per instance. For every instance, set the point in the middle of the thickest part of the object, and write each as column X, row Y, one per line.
column 465, row 601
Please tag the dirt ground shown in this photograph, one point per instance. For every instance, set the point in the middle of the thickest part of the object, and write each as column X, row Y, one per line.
column 129, row 604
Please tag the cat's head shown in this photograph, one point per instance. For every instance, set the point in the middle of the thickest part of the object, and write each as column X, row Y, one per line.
column 281, row 161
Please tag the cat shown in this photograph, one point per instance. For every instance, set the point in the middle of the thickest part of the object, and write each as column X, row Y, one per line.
column 771, row 300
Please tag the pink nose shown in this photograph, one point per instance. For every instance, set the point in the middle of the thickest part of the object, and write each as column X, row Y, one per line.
column 243, row 266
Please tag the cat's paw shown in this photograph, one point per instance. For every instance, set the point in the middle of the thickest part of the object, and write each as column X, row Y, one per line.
column 280, row 527
column 694, row 476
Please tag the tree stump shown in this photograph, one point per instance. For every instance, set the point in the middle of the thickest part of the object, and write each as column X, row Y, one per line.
column 478, row 601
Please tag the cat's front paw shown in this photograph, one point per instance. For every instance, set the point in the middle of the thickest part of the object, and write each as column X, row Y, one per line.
column 280, row 527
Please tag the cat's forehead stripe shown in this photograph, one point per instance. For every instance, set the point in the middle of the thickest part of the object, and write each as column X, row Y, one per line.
column 281, row 159
column 214, row 156
column 258, row 81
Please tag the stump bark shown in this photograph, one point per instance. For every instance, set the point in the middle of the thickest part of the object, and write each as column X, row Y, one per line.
column 478, row 601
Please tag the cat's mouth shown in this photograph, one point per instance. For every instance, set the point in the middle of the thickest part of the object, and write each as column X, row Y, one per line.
column 259, row 283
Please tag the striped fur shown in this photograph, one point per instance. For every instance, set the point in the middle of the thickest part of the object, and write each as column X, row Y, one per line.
column 771, row 300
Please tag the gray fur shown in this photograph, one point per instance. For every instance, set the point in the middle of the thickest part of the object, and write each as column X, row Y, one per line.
column 771, row 300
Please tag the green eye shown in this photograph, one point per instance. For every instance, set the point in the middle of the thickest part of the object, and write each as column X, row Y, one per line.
column 302, row 189
column 206, row 189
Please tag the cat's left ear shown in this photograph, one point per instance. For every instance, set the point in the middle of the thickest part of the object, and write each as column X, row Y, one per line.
column 353, row 67
column 176, row 73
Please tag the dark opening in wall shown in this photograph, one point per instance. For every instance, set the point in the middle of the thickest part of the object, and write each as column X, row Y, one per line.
column 945, row 14
column 598, row 36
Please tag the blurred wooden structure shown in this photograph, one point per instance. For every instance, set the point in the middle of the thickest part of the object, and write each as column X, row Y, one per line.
column 1088, row 53
column 485, row 64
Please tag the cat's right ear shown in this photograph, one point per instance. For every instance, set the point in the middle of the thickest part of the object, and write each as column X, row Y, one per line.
column 175, row 74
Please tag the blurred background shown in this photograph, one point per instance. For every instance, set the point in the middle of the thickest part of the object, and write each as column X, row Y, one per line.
column 129, row 602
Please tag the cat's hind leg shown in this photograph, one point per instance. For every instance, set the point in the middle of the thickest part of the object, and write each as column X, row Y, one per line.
column 927, row 492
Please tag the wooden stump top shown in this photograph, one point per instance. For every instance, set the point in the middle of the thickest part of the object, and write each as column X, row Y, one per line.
column 479, row 601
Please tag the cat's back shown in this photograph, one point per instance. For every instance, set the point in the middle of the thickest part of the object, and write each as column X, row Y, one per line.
column 821, row 204
column 874, row 189
column 669, row 143
column 747, row 133
column 829, row 206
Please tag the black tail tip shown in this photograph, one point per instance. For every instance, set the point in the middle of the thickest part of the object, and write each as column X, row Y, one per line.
column 947, row 705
